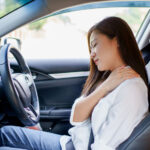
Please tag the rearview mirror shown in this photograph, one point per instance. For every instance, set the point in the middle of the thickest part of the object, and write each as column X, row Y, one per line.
column 14, row 41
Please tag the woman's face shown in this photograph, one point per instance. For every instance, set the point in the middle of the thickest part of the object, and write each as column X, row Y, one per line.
column 104, row 52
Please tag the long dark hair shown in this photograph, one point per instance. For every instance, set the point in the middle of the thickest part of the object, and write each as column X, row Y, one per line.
column 128, row 50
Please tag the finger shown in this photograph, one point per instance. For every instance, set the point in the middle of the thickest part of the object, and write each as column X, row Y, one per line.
column 129, row 70
column 129, row 73
column 117, row 69
column 132, row 72
column 120, row 68
column 132, row 75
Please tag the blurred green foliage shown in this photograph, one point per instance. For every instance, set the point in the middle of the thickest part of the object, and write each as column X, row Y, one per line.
column 7, row 6
column 133, row 16
column 37, row 25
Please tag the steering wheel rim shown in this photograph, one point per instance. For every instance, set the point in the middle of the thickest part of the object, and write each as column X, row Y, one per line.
column 19, row 88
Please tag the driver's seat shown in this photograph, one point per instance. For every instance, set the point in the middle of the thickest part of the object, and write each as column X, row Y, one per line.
column 140, row 137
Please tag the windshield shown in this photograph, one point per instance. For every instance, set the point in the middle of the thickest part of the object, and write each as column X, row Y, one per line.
column 7, row 6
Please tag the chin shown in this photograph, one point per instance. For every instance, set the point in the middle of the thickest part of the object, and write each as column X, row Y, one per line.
column 102, row 68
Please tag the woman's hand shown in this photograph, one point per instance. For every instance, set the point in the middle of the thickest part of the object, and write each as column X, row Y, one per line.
column 117, row 76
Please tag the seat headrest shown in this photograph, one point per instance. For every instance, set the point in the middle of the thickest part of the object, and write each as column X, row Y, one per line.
column 146, row 54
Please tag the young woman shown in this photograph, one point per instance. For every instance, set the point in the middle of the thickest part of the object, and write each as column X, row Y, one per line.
column 113, row 101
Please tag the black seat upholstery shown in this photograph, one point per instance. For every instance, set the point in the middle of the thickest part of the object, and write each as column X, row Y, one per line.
column 140, row 137
column 146, row 54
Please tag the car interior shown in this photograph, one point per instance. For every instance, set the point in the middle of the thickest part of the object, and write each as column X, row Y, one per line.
column 59, row 81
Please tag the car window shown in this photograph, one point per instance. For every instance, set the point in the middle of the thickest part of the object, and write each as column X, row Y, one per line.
column 7, row 6
column 64, row 35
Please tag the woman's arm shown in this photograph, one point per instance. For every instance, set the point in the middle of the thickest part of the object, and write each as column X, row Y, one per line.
column 83, row 109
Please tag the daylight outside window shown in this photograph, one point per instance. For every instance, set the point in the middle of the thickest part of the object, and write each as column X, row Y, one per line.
column 64, row 35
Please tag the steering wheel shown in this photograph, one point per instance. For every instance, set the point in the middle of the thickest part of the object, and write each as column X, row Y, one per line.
column 19, row 88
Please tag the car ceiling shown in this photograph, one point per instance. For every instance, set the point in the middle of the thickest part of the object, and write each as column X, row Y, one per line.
column 54, row 5
column 35, row 10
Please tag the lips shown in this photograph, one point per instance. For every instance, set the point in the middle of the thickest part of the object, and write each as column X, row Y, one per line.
column 96, row 60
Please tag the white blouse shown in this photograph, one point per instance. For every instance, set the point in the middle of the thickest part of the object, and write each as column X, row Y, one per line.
column 113, row 118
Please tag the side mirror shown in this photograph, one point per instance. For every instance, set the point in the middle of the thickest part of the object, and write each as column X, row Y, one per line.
column 14, row 41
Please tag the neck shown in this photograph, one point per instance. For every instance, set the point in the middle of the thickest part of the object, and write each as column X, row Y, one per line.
column 118, row 65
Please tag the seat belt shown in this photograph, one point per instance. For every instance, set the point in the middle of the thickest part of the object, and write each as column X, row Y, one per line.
column 69, row 145
column 91, row 139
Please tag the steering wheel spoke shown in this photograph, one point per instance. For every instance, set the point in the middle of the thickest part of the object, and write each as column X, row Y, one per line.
column 31, row 112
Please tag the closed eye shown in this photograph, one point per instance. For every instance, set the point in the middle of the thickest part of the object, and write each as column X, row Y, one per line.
column 92, row 46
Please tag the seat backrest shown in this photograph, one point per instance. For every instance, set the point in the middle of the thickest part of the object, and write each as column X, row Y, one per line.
column 146, row 56
column 140, row 137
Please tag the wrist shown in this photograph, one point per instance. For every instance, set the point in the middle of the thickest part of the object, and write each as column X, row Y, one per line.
column 104, row 88
column 100, row 92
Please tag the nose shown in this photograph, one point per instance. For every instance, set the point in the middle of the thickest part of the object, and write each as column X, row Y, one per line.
column 93, row 54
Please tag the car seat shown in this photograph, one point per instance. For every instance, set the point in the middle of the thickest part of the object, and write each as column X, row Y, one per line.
column 140, row 137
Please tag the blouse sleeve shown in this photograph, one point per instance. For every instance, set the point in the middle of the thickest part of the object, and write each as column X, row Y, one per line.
column 129, row 108
column 81, row 131
column 72, row 113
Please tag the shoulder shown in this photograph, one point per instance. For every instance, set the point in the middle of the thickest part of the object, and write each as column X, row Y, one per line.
column 132, row 91
column 133, row 83
column 131, row 96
